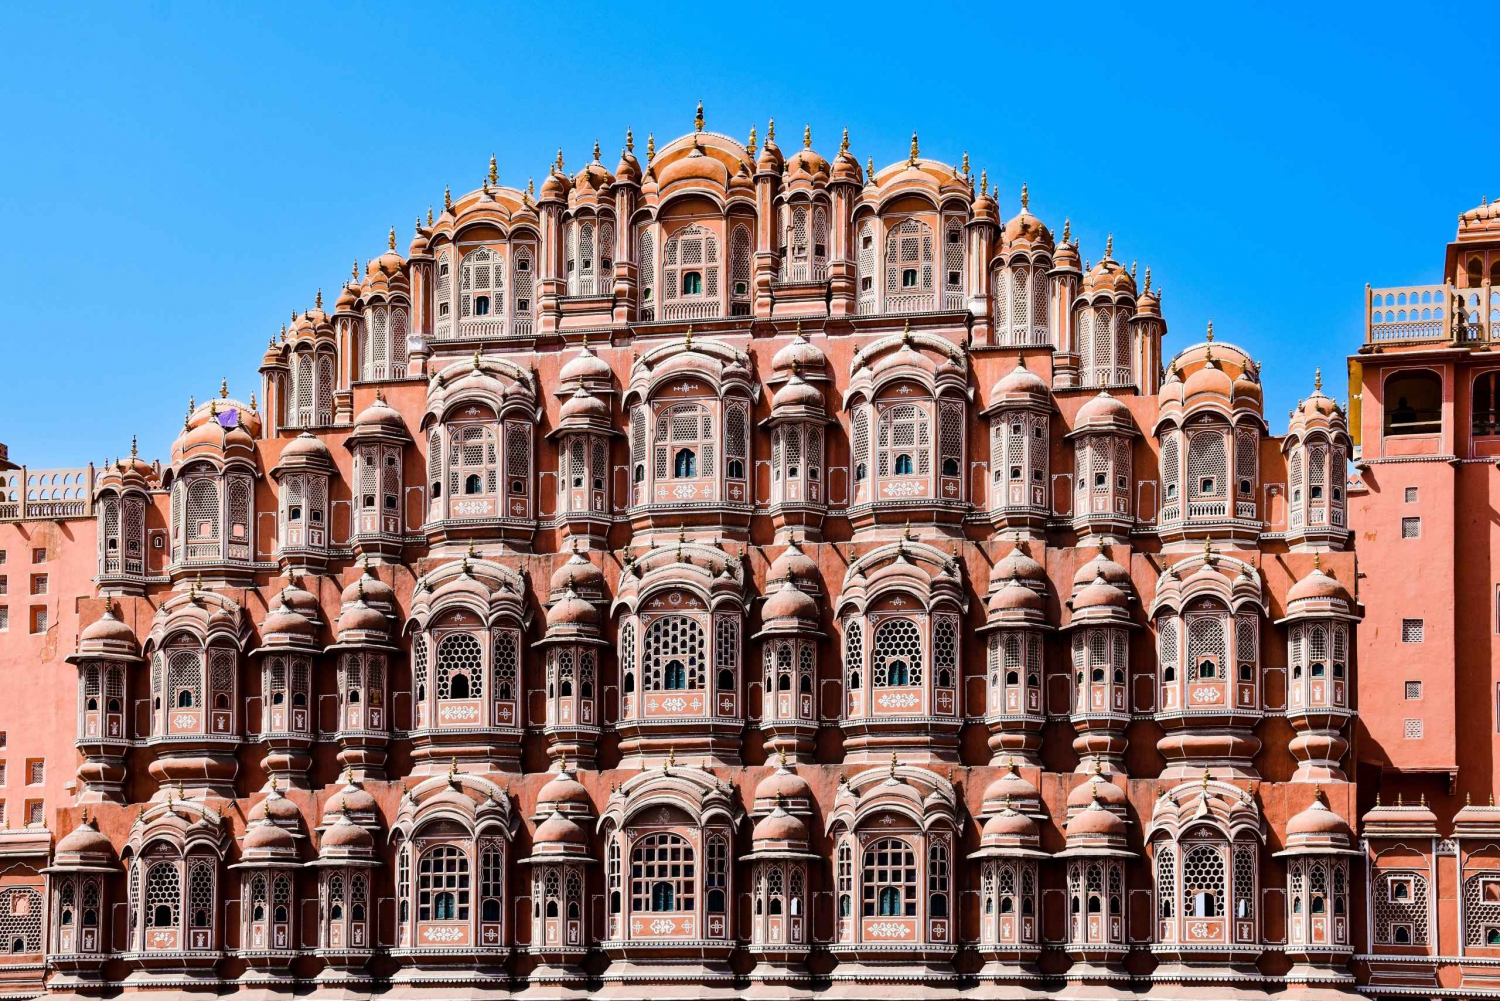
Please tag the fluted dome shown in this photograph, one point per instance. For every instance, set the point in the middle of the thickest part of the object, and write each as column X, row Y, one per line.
column 584, row 406
column 796, row 392
column 801, row 354
column 1095, row 822
column 380, row 416
column 790, row 602
column 1015, row 597
column 1009, row 827
column 1102, row 566
column 1099, row 594
column 1318, row 821
column 277, row 809
column 558, row 829
column 1020, row 383
column 571, row 610
column 697, row 167
column 579, row 574
column 585, row 367
column 1318, row 585
column 793, row 564
column 1096, row 789
column 344, row 836
column 266, row 838
column 1108, row 276
column 783, row 786
column 108, row 633
column 1010, row 787
column 1102, row 409
column 564, row 791
column 371, row 589
column 1026, row 230
column 84, row 843
column 1017, row 565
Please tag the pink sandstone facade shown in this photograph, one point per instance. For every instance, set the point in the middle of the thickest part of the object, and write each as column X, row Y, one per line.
column 748, row 572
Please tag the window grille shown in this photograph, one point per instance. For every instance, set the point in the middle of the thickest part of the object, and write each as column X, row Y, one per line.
column 1206, row 645
column 518, row 456
column 507, row 663
column 1203, row 882
column 647, row 243
column 184, row 678
column 1244, row 882
column 673, row 654
column 1411, row 528
column 162, row 898
column 905, row 441
column 21, row 920
column 398, row 343
column 1245, row 446
column 853, row 652
column 221, row 677
column 662, row 874
column 953, row 256
column 1411, row 495
column 1400, row 909
column 952, row 438
column 1412, row 690
column 459, row 657
column 865, row 264
column 1412, row 630
column 201, row 894
column 937, row 878
column 443, row 885
column 1246, row 635
column 1411, row 729
column 1206, row 465
column 896, row 654
column 1169, row 463
column 419, row 666
column 861, row 434
column 203, row 508
column 889, row 886
column 1166, row 880
column 491, row 872
column 945, row 650
column 1166, row 648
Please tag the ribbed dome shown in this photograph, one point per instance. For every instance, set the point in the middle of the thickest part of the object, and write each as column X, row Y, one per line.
column 790, row 602
column 563, row 789
column 585, row 367
column 370, row 589
column 584, row 406
column 1100, row 594
column 559, row 829
column 1317, row 585
column 783, row 785
column 695, row 168
column 351, row 799
column 84, row 839
column 380, row 415
column 1318, row 821
column 1016, row 565
column 346, row 836
column 1011, row 786
column 1102, row 566
column 266, row 837
column 779, row 826
column 1019, row 382
column 306, row 449
column 276, row 808
column 1102, row 409
column 361, row 617
column 579, row 574
column 107, row 631
column 1015, row 597
column 1008, row 826
column 572, row 610
column 1095, row 821
column 1026, row 230
column 1096, row 788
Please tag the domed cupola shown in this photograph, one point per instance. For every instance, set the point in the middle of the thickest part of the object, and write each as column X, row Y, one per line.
column 1020, row 420
column 573, row 645
column 791, row 629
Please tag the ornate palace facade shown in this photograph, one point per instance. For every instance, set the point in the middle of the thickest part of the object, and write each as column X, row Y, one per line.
column 736, row 571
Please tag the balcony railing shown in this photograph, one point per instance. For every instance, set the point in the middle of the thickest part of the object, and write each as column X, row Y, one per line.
column 1425, row 314
column 701, row 309
column 27, row 494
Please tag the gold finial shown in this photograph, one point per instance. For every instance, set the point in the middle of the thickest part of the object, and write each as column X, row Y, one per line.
column 1109, row 245
column 447, row 199
column 965, row 169
column 1209, row 336
column 1026, row 200
column 452, row 769
column 650, row 148
column 1148, row 278
column 870, row 169
column 770, row 130
column 558, row 164
column 585, row 340
column 1318, row 561
column 751, row 146
column 807, row 136
column 915, row 150
column 687, row 338
column 894, row 761
column 252, row 405
column 494, row 175
column 318, row 300
column 906, row 535
column 1422, row 800
column 391, row 240
column 416, row 226
column 698, row 118
column 1067, row 223
column 666, row 766
column 844, row 142
column 629, row 141
column 1466, row 799
column 562, row 762
column 596, row 151
column 429, row 217
column 906, row 332
column 781, row 755
column 223, row 389
column 133, row 452
column 1318, row 378
column 1132, row 270
column 984, row 181
column 530, row 188
column 354, row 272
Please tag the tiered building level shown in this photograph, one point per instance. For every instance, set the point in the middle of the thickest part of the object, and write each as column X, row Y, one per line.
column 733, row 571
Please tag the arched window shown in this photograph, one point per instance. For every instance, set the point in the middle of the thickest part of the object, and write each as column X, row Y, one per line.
column 905, row 441
column 481, row 288
column 853, row 653
column 1413, row 403
column 1206, row 470
column 460, row 673
column 864, row 251
column 896, row 654
column 443, row 885
column 889, row 879
column 472, row 460
column 673, row 652
column 662, row 874
column 690, row 267
column 909, row 282
column 1203, row 881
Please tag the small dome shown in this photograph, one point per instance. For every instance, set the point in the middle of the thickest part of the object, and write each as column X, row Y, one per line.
column 793, row 564
column 801, row 353
column 1017, row 565
column 1096, row 789
column 579, row 574
column 741, row 183
column 790, row 602
column 1009, row 787
column 697, row 167
column 1318, row 821
column 779, row 826
column 770, row 154
column 1100, row 594
column 369, row 588
column 347, row 836
column 359, row 617
column 296, row 599
column 277, row 809
column 381, row 416
column 264, row 837
column 585, row 367
column 584, row 406
column 348, row 298
column 554, row 187
column 1103, row 409
column 1008, row 827
column 1015, row 597
column 558, row 829
column 1208, row 380
column 564, row 790
column 1095, row 821
column 1108, row 276
column 573, row 611
column 286, row 624
column 1019, row 383
column 350, row 799
column 107, row 631
column 1102, row 566
column 628, row 170
column 1026, row 230
column 797, row 392
column 783, row 786
column 85, row 839
column 1317, row 585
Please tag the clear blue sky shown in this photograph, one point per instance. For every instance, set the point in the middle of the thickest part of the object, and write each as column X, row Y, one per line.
column 176, row 180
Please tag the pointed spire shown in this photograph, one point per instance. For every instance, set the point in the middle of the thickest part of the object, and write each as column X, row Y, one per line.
column 844, row 142
column 751, row 146
column 223, row 389
column 494, row 175
column 1209, row 336
column 429, row 217
column 596, row 151
column 916, row 150
column 698, row 119
column 984, row 181
column 629, row 140
column 1318, row 378
column 447, row 199
column 133, row 452
column 965, row 168
column 807, row 136
column 650, row 148
column 1109, row 246
column 391, row 242
column 770, row 130
column 1026, row 200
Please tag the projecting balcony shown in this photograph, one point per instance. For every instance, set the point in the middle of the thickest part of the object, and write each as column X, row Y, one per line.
column 1425, row 314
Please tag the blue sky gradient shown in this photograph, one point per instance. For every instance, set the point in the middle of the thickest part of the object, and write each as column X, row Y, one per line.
column 179, row 177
